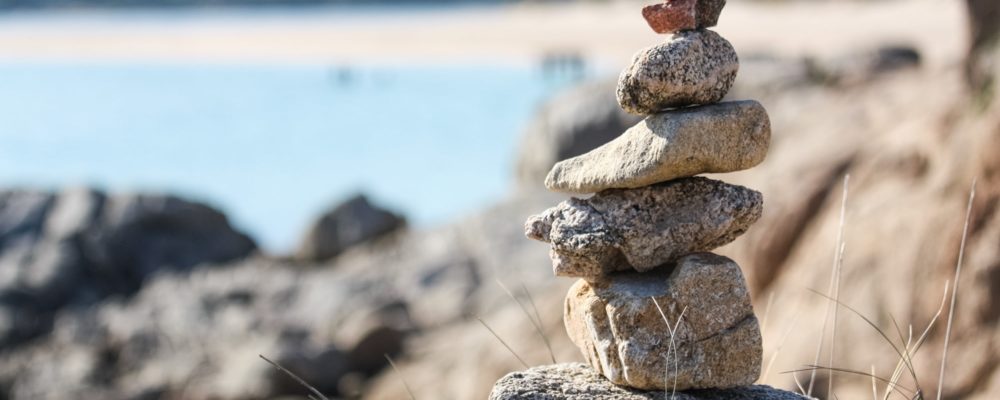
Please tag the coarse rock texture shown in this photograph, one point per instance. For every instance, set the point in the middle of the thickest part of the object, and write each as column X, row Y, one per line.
column 723, row 137
column 79, row 246
column 617, row 324
column 623, row 229
column 576, row 381
column 692, row 67
column 348, row 224
column 572, row 122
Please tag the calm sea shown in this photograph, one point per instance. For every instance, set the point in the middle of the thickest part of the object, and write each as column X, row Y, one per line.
column 271, row 145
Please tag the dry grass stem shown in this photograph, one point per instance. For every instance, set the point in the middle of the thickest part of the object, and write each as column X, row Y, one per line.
column 836, row 295
column 838, row 264
column 781, row 343
column 874, row 326
column 874, row 384
column 905, row 355
column 854, row 372
column 295, row 377
column 834, row 286
column 911, row 351
column 503, row 342
column 795, row 377
column 954, row 289
column 401, row 378
column 767, row 312
column 536, row 321
column 672, row 346
column 538, row 318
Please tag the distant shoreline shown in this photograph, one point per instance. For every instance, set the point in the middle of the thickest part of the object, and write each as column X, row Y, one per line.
column 604, row 34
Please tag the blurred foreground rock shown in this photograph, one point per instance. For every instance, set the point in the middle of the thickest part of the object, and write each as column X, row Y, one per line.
column 197, row 335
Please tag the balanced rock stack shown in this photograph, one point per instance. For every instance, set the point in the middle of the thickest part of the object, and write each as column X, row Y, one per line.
column 653, row 309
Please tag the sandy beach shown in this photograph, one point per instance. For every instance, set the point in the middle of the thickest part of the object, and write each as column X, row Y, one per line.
column 606, row 34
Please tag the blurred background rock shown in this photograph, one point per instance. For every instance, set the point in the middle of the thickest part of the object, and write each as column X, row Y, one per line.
column 109, row 294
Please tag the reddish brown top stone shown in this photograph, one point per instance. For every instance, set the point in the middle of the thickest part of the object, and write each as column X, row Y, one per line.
column 679, row 15
column 671, row 16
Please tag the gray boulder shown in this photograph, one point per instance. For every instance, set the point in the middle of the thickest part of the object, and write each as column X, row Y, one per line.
column 692, row 67
column 80, row 246
column 350, row 223
column 618, row 326
column 723, row 137
column 577, row 381
column 641, row 229
column 573, row 122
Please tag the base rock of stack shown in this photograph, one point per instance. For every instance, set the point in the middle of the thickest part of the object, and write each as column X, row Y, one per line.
column 693, row 67
column 577, row 381
column 723, row 137
column 640, row 229
column 623, row 335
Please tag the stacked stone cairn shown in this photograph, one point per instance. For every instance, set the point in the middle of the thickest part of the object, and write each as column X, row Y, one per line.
column 653, row 308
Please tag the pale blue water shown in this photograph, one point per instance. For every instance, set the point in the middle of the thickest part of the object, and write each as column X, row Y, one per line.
column 271, row 145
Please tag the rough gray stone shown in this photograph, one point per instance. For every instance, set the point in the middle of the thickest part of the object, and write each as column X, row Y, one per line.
column 692, row 67
column 715, row 138
column 576, row 381
column 617, row 324
column 572, row 123
column 622, row 229
column 350, row 223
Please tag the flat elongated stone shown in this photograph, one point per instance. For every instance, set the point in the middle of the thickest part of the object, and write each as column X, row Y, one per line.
column 623, row 335
column 624, row 229
column 576, row 381
column 721, row 137
column 692, row 67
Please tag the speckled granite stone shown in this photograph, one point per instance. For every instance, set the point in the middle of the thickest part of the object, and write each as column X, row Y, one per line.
column 692, row 67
